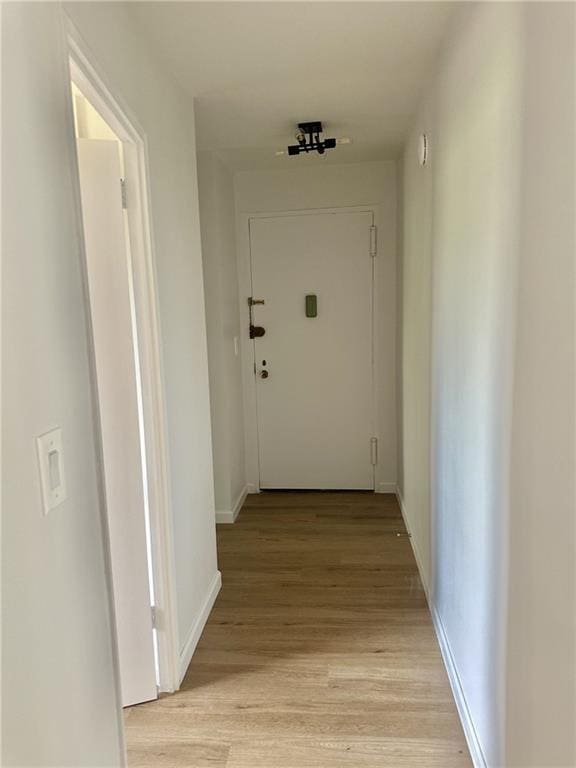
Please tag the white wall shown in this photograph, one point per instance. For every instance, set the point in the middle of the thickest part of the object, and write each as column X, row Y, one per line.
column 59, row 702
column 399, row 328
column 474, row 234
column 166, row 115
column 60, row 706
column 469, row 245
column 459, row 261
column 416, row 337
column 334, row 186
column 541, row 674
column 217, row 218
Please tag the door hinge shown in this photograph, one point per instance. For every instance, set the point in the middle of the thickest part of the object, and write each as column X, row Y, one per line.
column 155, row 611
column 373, row 240
column 374, row 450
column 123, row 193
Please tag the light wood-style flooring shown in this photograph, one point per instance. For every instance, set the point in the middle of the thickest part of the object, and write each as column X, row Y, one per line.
column 319, row 653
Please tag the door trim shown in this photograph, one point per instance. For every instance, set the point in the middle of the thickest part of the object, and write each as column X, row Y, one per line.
column 252, row 467
column 89, row 78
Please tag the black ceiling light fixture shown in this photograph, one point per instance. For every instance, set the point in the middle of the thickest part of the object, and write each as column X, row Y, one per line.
column 309, row 140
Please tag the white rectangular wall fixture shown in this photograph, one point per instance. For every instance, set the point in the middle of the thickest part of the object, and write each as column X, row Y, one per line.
column 51, row 464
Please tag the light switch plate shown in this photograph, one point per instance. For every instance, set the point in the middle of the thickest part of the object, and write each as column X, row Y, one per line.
column 51, row 463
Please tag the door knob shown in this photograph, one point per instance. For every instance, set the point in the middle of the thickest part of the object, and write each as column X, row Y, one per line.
column 264, row 374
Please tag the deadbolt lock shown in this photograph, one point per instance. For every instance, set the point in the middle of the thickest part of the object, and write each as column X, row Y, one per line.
column 255, row 330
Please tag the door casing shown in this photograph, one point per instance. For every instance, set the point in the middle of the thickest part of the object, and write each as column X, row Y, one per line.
column 91, row 81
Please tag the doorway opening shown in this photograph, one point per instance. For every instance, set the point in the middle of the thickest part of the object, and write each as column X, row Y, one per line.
column 121, row 291
column 119, row 386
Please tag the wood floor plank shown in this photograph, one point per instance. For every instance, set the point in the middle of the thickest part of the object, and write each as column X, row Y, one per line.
column 347, row 753
column 319, row 652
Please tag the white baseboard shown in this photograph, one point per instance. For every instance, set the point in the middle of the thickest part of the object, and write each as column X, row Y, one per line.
column 472, row 740
column 385, row 488
column 230, row 515
column 198, row 626
column 252, row 488
column 414, row 544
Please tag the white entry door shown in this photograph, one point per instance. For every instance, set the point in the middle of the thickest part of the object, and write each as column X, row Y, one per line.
column 313, row 365
column 110, row 307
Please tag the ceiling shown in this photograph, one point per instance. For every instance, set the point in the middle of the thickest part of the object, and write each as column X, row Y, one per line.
column 256, row 69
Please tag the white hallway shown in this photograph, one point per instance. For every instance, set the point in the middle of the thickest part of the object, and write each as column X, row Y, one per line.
column 473, row 330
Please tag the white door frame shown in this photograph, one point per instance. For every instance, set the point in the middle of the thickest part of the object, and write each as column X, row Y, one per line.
column 87, row 76
column 247, row 344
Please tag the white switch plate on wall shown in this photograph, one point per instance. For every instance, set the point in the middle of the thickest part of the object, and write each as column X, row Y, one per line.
column 51, row 463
